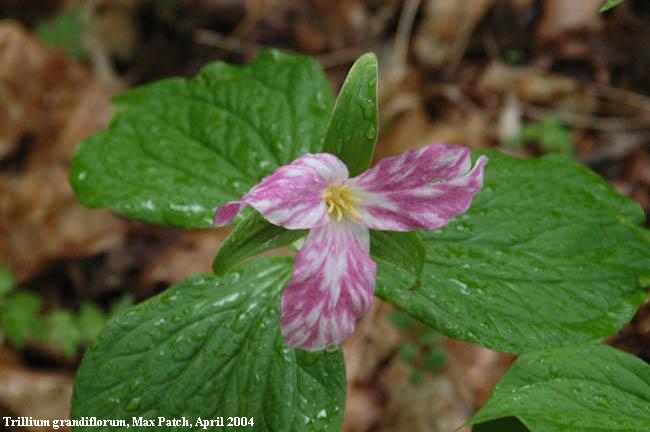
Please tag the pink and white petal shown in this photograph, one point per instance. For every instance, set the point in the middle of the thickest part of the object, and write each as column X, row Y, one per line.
column 291, row 196
column 332, row 286
column 227, row 212
column 423, row 188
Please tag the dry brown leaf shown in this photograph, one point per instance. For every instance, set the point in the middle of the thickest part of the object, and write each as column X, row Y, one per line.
column 476, row 370
column 56, row 103
column 371, row 343
column 41, row 395
column 361, row 410
column 191, row 255
column 434, row 405
column 444, row 401
column 564, row 16
column 442, row 37
column 536, row 87
column 381, row 398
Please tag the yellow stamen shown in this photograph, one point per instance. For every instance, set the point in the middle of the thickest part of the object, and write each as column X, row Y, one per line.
column 339, row 199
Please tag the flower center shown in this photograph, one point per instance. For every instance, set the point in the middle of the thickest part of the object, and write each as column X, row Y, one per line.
column 339, row 200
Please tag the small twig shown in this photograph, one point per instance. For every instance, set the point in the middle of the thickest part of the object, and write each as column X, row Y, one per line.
column 398, row 64
column 461, row 43
column 339, row 57
column 585, row 121
column 404, row 30
column 99, row 57
column 492, row 47
column 632, row 99
column 453, row 93
column 227, row 43
column 240, row 46
column 380, row 21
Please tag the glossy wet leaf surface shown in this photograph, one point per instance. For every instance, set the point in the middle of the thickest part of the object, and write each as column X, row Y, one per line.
column 574, row 389
column 399, row 257
column 178, row 149
column 352, row 130
column 210, row 347
column 548, row 255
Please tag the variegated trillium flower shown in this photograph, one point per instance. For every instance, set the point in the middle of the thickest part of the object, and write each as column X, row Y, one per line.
column 334, row 277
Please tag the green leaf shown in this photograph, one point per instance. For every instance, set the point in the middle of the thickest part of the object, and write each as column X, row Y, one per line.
column 352, row 131
column 429, row 337
column 548, row 255
column 407, row 352
column 436, row 359
column 20, row 318
column 577, row 389
column 416, row 378
column 399, row 257
column 91, row 321
column 6, row 282
column 609, row 4
column 122, row 304
column 178, row 149
column 64, row 332
column 401, row 321
column 251, row 237
column 65, row 33
column 550, row 134
column 211, row 347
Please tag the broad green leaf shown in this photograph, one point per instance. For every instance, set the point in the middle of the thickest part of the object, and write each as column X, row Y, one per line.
column 352, row 130
column 399, row 257
column 210, row 347
column 548, row 255
column 609, row 4
column 574, row 389
column 251, row 237
column 178, row 149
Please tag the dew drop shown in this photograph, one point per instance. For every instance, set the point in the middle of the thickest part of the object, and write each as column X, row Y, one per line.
column 368, row 109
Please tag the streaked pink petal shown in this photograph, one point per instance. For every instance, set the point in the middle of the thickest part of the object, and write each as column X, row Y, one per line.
column 291, row 196
column 423, row 188
column 227, row 212
column 332, row 286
